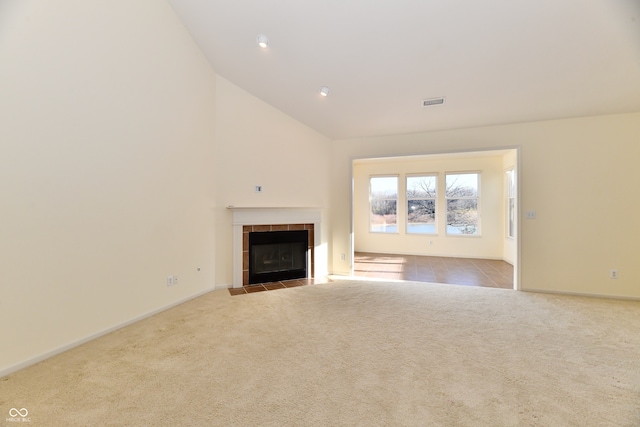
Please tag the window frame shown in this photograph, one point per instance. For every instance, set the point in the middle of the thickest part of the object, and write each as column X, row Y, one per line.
column 477, row 198
column 510, row 192
column 434, row 175
column 396, row 199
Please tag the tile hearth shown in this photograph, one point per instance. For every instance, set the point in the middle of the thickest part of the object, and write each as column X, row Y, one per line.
column 277, row 285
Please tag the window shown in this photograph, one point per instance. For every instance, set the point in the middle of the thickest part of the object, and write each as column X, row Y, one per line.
column 511, row 203
column 421, row 204
column 462, row 203
column 383, row 199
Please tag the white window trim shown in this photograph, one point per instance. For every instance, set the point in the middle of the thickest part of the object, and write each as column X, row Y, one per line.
column 435, row 201
column 397, row 200
column 508, row 197
column 477, row 198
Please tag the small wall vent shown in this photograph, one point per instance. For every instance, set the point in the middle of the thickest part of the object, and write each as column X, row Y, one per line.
column 432, row 101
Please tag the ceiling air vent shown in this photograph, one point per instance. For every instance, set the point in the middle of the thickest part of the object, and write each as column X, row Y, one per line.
column 432, row 101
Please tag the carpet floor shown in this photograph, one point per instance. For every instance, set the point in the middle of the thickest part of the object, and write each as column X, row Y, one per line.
column 350, row 353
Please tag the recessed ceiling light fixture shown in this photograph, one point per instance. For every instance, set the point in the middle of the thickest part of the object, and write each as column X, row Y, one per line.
column 324, row 91
column 262, row 41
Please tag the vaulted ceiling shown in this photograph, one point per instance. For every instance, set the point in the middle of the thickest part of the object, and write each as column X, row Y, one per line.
column 494, row 61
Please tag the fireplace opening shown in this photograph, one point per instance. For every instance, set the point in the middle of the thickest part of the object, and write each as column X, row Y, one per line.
column 277, row 255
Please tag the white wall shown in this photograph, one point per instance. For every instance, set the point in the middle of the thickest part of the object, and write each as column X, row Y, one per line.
column 578, row 174
column 106, row 133
column 488, row 244
column 257, row 144
column 121, row 149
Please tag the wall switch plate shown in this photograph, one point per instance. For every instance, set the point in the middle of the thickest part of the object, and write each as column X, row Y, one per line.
column 258, row 188
column 531, row 215
column 175, row 280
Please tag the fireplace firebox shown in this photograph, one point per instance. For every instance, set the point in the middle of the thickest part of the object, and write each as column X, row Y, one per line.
column 277, row 255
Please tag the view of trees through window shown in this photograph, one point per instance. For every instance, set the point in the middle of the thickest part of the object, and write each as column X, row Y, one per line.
column 383, row 197
column 462, row 203
column 461, row 196
column 421, row 204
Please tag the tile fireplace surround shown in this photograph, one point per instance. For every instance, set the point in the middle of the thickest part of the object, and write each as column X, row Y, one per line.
column 247, row 219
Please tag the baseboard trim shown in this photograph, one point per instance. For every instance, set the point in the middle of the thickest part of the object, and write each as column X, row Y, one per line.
column 580, row 294
column 437, row 255
column 14, row 368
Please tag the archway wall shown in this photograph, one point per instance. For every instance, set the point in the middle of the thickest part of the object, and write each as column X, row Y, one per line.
column 488, row 243
column 578, row 175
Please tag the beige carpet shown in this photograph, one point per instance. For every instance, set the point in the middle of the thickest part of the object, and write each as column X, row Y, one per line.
column 351, row 353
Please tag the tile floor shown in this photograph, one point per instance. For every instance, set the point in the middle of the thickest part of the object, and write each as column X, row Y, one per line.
column 455, row 271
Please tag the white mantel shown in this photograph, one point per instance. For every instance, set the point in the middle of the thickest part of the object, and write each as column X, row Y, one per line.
column 272, row 216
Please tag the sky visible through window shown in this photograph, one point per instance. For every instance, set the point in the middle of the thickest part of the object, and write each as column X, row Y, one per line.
column 385, row 184
column 468, row 180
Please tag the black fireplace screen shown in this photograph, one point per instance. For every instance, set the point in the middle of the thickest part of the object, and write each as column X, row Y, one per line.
column 277, row 255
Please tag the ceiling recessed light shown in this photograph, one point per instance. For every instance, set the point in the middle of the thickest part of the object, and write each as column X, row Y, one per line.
column 324, row 91
column 263, row 41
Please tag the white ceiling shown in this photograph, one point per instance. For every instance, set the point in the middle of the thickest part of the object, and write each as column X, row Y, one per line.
column 495, row 61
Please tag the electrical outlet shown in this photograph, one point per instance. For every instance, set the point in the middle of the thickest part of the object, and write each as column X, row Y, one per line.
column 531, row 215
column 613, row 274
column 342, row 257
column 169, row 280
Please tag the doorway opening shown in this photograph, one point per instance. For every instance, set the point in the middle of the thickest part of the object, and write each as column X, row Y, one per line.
column 445, row 218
